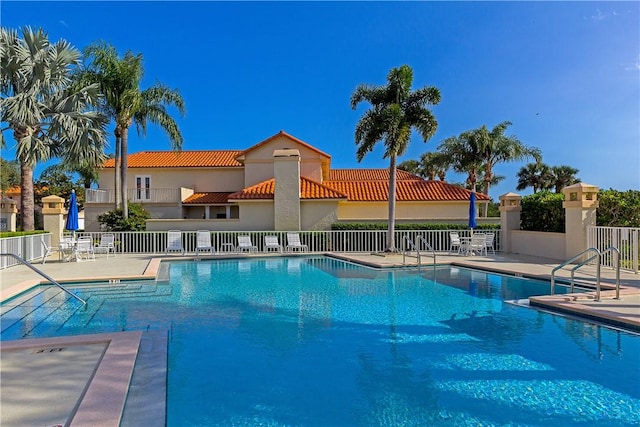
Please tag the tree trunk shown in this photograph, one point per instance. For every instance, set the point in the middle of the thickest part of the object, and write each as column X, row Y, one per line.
column 27, row 202
column 391, row 246
column 124, row 142
column 116, row 179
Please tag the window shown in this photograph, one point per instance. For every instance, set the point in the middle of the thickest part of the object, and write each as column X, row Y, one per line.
column 143, row 187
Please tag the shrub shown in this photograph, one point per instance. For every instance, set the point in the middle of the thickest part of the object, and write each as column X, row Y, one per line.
column 114, row 221
column 543, row 211
column 618, row 208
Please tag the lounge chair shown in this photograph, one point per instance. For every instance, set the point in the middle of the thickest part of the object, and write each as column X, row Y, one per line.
column 244, row 244
column 107, row 244
column 489, row 242
column 84, row 249
column 271, row 242
column 293, row 243
column 454, row 239
column 174, row 242
column 203, row 242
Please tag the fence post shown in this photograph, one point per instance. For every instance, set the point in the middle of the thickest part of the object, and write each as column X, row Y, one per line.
column 510, row 209
column 580, row 204
column 53, row 217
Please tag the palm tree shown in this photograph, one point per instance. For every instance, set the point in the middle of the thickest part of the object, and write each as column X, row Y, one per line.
column 411, row 166
column 119, row 80
column 434, row 164
column 49, row 116
column 563, row 176
column 499, row 148
column 465, row 154
column 536, row 175
column 394, row 111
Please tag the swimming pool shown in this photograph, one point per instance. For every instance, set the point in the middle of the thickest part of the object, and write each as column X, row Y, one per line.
column 314, row 341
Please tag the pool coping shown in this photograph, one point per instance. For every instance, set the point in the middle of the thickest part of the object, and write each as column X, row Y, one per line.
column 102, row 402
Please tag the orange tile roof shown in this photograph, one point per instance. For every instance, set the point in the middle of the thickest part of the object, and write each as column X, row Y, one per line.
column 309, row 190
column 368, row 175
column 206, row 198
column 181, row 159
column 291, row 137
column 406, row 191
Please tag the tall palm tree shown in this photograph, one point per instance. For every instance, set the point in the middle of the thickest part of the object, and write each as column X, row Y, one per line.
column 500, row 148
column 125, row 103
column 536, row 175
column 563, row 176
column 395, row 110
column 49, row 116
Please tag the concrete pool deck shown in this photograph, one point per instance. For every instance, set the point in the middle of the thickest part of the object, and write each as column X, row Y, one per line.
column 94, row 394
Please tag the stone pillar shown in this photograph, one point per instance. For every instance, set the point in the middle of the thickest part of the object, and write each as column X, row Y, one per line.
column 286, row 199
column 8, row 214
column 53, row 217
column 580, row 205
column 510, row 208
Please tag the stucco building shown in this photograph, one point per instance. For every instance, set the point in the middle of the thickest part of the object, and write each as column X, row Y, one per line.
column 281, row 183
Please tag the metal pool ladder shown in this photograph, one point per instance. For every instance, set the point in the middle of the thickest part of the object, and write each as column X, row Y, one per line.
column 28, row 264
column 598, row 256
column 409, row 246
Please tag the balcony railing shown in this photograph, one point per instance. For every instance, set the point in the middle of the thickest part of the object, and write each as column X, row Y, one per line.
column 152, row 195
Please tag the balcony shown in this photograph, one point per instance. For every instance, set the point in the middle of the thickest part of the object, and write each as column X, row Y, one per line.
column 152, row 195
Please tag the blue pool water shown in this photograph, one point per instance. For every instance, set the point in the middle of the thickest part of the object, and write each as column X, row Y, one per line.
column 319, row 342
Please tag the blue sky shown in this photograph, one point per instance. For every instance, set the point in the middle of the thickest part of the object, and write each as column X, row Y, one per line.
column 566, row 74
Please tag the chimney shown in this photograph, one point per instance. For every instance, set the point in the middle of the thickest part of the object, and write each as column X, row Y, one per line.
column 286, row 200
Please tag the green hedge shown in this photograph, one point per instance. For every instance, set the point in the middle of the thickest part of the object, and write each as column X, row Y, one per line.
column 20, row 233
column 543, row 211
column 417, row 226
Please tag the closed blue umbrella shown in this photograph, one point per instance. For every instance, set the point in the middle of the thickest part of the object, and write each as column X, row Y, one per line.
column 472, row 211
column 72, row 215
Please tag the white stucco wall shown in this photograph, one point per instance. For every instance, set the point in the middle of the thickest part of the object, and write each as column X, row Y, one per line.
column 259, row 162
column 538, row 243
column 199, row 179
column 349, row 211
column 316, row 215
column 256, row 215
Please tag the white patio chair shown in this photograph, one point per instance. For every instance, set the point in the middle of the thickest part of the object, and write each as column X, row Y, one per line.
column 489, row 242
column 47, row 250
column 477, row 244
column 174, row 242
column 244, row 244
column 203, row 242
column 293, row 243
column 454, row 239
column 271, row 242
column 84, row 249
column 107, row 244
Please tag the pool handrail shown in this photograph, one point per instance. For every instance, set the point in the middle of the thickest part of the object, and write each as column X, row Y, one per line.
column 43, row 274
column 409, row 246
column 428, row 246
column 598, row 255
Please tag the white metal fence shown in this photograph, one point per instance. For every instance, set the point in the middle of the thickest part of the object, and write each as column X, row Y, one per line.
column 623, row 238
column 27, row 247
column 155, row 242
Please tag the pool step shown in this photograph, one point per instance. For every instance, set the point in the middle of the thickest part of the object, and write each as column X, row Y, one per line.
column 32, row 305
column 48, row 309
